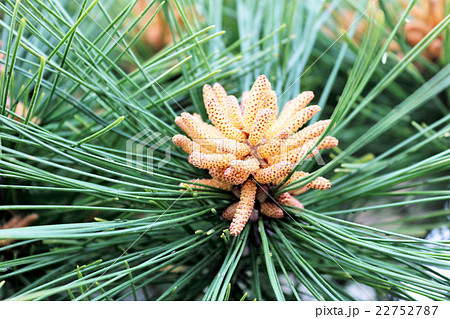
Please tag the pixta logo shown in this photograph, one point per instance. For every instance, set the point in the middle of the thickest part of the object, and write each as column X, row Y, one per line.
column 144, row 148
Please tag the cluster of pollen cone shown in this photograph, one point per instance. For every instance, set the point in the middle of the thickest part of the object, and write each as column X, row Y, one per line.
column 250, row 147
